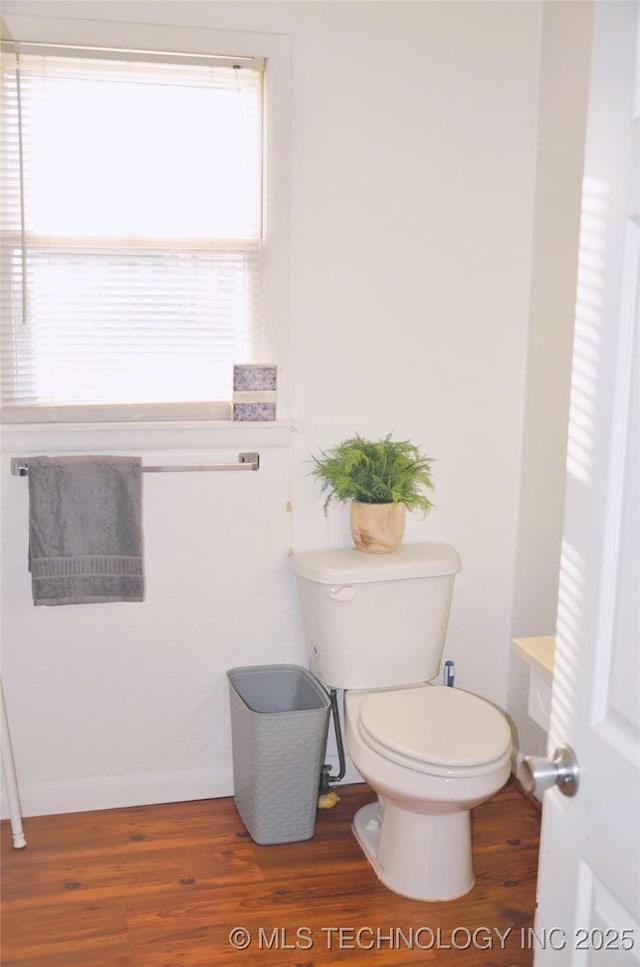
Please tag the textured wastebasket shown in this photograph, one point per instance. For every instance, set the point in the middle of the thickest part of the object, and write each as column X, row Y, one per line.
column 279, row 723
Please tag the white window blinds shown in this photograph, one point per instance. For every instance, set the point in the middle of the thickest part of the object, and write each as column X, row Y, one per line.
column 132, row 230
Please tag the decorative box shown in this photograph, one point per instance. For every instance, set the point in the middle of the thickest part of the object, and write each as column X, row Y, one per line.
column 254, row 391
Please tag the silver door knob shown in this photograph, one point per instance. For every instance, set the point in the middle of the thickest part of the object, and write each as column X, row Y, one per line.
column 538, row 774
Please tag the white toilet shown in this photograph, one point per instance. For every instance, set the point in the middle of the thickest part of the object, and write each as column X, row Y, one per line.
column 375, row 626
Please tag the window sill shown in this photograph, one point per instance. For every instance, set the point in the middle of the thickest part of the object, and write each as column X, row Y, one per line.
column 153, row 435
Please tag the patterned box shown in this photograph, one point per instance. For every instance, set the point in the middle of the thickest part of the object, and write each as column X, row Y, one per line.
column 254, row 391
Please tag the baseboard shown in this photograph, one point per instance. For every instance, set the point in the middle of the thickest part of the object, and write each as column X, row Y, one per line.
column 147, row 789
column 113, row 792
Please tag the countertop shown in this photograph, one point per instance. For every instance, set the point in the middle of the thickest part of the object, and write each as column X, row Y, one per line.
column 538, row 651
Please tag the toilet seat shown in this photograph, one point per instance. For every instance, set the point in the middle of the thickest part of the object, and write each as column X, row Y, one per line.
column 436, row 730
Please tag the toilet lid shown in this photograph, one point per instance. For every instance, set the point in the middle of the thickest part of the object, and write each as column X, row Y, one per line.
column 435, row 725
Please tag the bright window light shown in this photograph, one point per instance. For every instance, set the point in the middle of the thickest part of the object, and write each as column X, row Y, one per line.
column 132, row 235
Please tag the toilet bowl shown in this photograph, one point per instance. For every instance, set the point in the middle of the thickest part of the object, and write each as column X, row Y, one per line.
column 431, row 754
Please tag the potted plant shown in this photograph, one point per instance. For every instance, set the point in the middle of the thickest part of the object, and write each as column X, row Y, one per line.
column 382, row 479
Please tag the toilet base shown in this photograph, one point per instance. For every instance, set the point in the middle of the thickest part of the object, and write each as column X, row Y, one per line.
column 418, row 855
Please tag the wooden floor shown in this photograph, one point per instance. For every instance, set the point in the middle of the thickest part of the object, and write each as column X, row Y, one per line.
column 173, row 885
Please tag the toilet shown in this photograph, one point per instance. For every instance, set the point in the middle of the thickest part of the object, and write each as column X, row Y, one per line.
column 374, row 626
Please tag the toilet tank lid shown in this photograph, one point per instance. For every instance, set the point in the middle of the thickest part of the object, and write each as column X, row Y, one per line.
column 346, row 565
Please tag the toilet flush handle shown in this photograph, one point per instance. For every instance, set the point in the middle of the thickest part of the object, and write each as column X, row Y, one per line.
column 342, row 594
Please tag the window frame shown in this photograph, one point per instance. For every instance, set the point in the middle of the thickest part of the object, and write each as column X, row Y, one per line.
column 275, row 51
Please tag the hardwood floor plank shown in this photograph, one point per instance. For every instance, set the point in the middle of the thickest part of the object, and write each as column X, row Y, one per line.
column 165, row 886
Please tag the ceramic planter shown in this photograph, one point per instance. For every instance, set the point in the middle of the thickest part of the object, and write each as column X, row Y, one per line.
column 377, row 528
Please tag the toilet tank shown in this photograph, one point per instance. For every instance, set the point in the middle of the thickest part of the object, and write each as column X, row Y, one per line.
column 373, row 620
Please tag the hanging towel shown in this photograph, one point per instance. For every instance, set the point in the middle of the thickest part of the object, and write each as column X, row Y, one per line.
column 85, row 529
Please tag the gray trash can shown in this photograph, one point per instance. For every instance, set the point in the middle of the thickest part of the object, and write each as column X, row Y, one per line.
column 279, row 723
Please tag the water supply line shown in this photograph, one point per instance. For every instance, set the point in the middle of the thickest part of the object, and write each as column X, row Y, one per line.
column 326, row 777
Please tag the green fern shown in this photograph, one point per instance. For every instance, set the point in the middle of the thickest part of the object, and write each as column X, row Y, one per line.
column 375, row 472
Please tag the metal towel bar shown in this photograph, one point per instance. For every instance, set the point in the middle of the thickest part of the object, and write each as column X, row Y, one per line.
column 246, row 461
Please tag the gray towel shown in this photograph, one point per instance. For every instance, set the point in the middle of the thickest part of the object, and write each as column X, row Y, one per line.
column 85, row 529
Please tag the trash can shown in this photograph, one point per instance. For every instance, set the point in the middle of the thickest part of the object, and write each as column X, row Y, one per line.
column 279, row 723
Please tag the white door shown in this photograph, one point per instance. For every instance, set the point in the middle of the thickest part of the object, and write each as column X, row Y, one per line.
column 589, row 880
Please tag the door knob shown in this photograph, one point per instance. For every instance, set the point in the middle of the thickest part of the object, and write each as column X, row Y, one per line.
column 538, row 774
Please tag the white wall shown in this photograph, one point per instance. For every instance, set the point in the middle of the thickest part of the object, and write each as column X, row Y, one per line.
column 411, row 254
column 561, row 134
column 414, row 148
column 123, row 703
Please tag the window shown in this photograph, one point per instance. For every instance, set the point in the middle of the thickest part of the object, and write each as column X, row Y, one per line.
column 132, row 241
